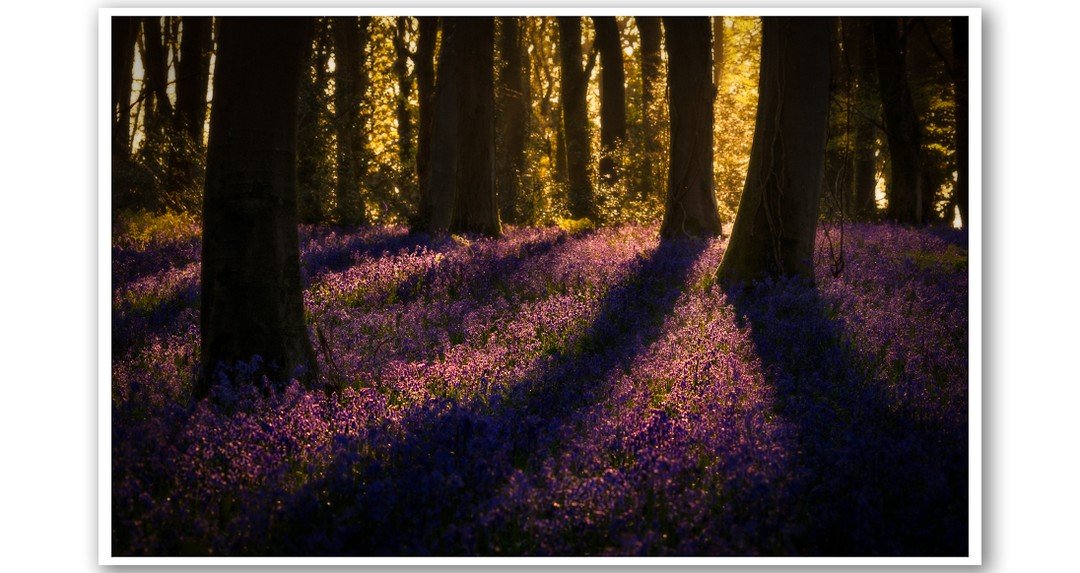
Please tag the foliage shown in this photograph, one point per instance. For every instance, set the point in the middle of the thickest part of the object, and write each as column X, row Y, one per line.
column 736, row 109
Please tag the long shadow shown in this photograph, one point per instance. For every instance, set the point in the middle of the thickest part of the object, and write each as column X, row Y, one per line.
column 424, row 492
column 867, row 479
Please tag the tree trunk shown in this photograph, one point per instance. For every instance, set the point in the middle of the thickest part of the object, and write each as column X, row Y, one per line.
column 443, row 167
column 348, row 94
column 718, row 50
column 476, row 208
column 401, row 103
column 652, row 90
column 124, row 32
column 424, row 65
column 251, row 292
column 901, row 125
column 512, row 116
column 193, row 76
column 960, row 56
column 156, row 65
column 572, row 90
column 777, row 218
column 690, row 208
column 313, row 140
column 612, row 96
column 867, row 111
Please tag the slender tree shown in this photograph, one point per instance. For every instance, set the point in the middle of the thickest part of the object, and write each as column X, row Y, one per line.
column 512, row 116
column 158, row 108
column 350, row 85
column 424, row 65
column 315, row 159
column 251, row 302
column 401, row 102
column 867, row 110
column 652, row 90
column 690, row 208
column 777, row 218
column 193, row 76
column 903, row 131
column 475, row 205
column 612, row 96
column 572, row 89
column 960, row 57
column 124, row 33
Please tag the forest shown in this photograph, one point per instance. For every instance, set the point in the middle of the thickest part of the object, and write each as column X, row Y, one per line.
column 539, row 286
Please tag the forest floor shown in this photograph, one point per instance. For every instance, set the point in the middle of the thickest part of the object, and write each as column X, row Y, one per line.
column 550, row 393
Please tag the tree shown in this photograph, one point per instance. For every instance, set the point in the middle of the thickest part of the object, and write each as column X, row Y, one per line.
column 718, row 50
column 316, row 161
column 124, row 33
column 612, row 96
column 960, row 57
column 572, row 87
column 193, row 76
column 401, row 102
column 350, row 85
column 867, row 109
column 690, row 208
column 512, row 116
column 652, row 63
column 903, row 131
column 424, row 64
column 158, row 108
column 461, row 177
column 775, row 226
column 251, row 303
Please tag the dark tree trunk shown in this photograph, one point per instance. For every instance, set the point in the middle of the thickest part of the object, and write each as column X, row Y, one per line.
column 718, row 50
column 866, row 113
column 193, row 75
column 901, row 125
column 251, row 291
column 401, row 104
column 960, row 55
column 124, row 33
column 572, row 89
column 313, row 140
column 156, row 65
column 349, row 88
column 424, row 65
column 612, row 96
column 690, row 208
column 476, row 208
column 775, row 226
column 443, row 166
column 512, row 115
column 652, row 91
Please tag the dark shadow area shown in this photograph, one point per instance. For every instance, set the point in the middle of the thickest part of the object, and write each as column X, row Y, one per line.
column 371, row 242
column 867, row 480
column 424, row 492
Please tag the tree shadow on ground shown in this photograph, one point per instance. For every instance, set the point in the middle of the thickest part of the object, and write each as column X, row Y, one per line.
column 866, row 479
column 423, row 490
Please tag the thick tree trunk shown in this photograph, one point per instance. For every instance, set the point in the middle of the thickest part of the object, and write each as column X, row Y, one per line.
column 124, row 33
column 960, row 55
column 512, row 116
column 443, row 166
column 572, row 88
column 867, row 111
column 193, row 76
column 718, row 50
column 652, row 93
column 401, row 103
column 901, row 125
column 775, row 226
column 251, row 291
column 612, row 96
column 156, row 65
column 349, row 88
column 476, row 208
column 690, row 208
column 424, row 65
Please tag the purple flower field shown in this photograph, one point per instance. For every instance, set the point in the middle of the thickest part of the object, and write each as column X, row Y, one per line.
column 550, row 393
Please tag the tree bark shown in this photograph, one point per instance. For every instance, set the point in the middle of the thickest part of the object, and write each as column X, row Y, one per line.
column 777, row 218
column 476, row 208
column 718, row 50
column 158, row 108
column 612, row 96
column 124, row 32
column 575, row 118
column 442, row 172
column 901, row 125
column 251, row 291
column 690, row 208
column 401, row 103
column 349, row 87
column 867, row 111
column 960, row 56
column 652, row 63
column 512, row 116
column 424, row 65
column 193, row 76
